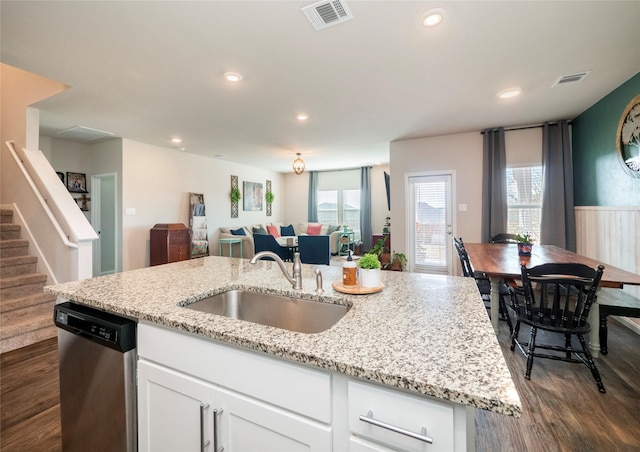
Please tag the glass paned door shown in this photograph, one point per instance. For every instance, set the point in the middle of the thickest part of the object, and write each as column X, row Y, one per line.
column 430, row 223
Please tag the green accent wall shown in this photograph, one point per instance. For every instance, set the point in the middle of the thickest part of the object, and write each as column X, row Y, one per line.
column 598, row 176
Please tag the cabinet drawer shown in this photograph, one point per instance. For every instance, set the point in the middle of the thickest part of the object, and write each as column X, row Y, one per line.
column 407, row 412
column 291, row 386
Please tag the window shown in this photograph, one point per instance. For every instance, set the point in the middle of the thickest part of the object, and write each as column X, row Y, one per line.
column 340, row 206
column 524, row 200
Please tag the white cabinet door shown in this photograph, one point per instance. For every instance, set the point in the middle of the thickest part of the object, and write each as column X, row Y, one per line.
column 248, row 425
column 169, row 406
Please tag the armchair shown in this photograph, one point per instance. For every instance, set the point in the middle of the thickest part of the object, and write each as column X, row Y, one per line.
column 314, row 249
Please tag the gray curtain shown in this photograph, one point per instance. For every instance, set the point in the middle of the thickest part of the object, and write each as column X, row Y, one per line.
column 558, row 221
column 494, row 184
column 365, row 208
column 312, row 212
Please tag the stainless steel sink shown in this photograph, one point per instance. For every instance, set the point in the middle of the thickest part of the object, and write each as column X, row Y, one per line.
column 293, row 314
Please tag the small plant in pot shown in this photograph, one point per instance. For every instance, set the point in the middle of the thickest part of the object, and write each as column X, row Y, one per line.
column 525, row 243
column 369, row 270
column 398, row 262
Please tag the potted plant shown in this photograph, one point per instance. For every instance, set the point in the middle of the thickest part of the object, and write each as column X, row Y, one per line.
column 380, row 250
column 398, row 262
column 268, row 196
column 524, row 244
column 235, row 195
column 369, row 270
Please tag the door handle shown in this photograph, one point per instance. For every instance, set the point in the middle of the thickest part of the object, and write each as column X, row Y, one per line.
column 216, row 411
column 203, row 443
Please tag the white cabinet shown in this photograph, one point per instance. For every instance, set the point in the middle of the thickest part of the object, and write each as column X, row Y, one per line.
column 249, row 425
column 170, row 402
column 169, row 410
column 400, row 421
column 269, row 404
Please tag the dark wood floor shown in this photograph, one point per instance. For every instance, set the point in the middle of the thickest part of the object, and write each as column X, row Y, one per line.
column 30, row 398
column 563, row 410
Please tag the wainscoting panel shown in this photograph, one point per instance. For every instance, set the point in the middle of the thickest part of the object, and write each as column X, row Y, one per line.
column 612, row 235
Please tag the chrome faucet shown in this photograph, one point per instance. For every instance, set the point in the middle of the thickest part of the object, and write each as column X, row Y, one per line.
column 296, row 279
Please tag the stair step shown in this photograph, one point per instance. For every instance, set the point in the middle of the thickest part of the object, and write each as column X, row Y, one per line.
column 26, row 319
column 9, row 231
column 6, row 216
column 17, row 265
column 28, row 337
column 11, row 304
column 21, row 285
column 14, row 247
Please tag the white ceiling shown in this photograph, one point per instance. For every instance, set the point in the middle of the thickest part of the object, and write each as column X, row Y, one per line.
column 148, row 71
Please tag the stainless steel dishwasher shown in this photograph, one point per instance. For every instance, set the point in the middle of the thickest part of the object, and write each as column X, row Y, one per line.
column 97, row 357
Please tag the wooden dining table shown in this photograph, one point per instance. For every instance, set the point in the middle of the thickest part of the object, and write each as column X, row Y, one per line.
column 501, row 261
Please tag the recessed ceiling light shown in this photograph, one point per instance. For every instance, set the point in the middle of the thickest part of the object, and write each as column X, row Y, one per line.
column 509, row 93
column 302, row 116
column 232, row 76
column 176, row 140
column 182, row 149
column 433, row 17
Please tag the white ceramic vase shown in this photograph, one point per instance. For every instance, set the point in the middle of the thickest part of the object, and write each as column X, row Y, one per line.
column 370, row 277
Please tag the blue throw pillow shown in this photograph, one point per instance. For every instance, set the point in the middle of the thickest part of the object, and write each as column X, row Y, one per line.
column 239, row 231
column 287, row 230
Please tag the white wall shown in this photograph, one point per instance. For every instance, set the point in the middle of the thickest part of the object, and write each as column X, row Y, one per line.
column 157, row 181
column 461, row 153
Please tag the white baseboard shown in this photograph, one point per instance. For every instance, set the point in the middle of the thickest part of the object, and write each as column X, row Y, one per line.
column 629, row 323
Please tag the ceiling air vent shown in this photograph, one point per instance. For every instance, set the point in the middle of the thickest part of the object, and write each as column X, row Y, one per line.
column 327, row 13
column 82, row 133
column 571, row 79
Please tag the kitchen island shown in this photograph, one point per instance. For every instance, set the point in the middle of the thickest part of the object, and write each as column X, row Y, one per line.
column 424, row 336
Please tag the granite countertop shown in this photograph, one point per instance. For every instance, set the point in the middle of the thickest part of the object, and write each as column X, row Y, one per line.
column 423, row 333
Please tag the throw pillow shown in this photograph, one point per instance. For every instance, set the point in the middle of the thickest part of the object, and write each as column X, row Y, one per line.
column 332, row 228
column 314, row 228
column 239, row 231
column 260, row 230
column 273, row 230
column 287, row 230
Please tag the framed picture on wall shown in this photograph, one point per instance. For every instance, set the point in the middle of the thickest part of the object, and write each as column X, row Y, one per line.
column 252, row 196
column 76, row 182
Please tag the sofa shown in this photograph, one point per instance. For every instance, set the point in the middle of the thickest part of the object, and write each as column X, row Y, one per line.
column 301, row 228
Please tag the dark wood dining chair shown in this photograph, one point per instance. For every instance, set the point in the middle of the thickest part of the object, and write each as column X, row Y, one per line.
column 504, row 237
column 484, row 283
column 560, row 304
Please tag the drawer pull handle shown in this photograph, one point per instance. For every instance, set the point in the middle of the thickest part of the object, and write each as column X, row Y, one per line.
column 203, row 443
column 419, row 436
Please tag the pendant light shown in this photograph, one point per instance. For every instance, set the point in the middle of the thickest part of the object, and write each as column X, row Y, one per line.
column 298, row 165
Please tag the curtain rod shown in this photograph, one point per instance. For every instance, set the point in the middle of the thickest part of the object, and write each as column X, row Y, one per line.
column 527, row 127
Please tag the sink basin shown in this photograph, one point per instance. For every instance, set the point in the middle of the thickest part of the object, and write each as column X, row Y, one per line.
column 293, row 314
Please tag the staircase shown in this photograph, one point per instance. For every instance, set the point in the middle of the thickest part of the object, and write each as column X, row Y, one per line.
column 26, row 312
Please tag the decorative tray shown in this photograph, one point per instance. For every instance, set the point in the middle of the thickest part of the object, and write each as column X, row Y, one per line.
column 355, row 290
